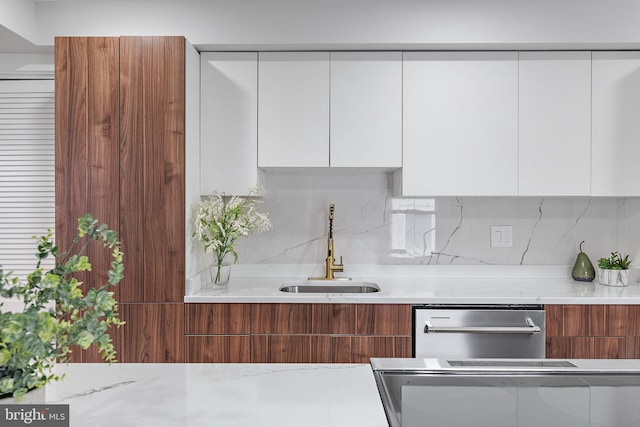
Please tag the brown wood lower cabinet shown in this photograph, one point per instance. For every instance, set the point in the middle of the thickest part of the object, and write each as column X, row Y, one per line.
column 359, row 349
column 593, row 331
column 586, row 347
column 296, row 333
column 290, row 349
column 218, row 348
column 152, row 333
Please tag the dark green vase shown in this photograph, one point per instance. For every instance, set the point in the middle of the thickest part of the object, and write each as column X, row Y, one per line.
column 583, row 270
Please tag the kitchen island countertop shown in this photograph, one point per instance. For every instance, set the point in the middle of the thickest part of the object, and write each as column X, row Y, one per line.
column 229, row 395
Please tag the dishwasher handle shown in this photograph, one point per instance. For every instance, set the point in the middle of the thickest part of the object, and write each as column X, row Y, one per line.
column 531, row 328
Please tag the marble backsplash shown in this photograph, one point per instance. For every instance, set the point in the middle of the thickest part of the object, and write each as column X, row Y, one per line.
column 373, row 227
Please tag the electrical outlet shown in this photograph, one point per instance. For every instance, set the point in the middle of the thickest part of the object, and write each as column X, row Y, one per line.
column 502, row 236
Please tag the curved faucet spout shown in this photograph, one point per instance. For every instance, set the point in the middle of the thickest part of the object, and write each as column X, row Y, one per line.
column 331, row 266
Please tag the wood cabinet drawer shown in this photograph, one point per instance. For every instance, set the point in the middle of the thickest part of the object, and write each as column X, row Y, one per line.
column 296, row 333
column 290, row 349
column 218, row 348
column 383, row 319
column 359, row 349
column 576, row 320
column 586, row 348
column 217, row 318
column 303, row 318
column 592, row 331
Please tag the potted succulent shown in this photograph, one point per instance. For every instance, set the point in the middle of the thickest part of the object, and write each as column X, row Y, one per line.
column 56, row 314
column 614, row 271
column 219, row 224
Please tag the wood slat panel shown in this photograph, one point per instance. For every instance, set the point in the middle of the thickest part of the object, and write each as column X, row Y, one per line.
column 360, row 349
column 383, row 319
column 103, row 145
column 217, row 318
column 218, row 349
column 71, row 78
column 154, row 333
column 86, row 149
column 102, row 156
column 131, row 161
column 164, row 174
column 290, row 349
column 152, row 143
column 70, row 128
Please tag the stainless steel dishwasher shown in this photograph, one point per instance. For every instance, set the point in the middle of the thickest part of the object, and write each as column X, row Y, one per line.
column 478, row 331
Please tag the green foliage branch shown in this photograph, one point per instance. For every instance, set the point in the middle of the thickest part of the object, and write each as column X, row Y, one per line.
column 56, row 314
column 615, row 262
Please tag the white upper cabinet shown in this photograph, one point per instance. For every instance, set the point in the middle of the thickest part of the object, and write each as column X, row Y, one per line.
column 229, row 122
column 555, row 124
column 293, row 109
column 366, row 109
column 615, row 124
column 460, row 124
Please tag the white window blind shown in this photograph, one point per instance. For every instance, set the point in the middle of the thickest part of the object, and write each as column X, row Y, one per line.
column 27, row 171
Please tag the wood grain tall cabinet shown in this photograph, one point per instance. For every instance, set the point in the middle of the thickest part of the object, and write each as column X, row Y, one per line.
column 120, row 154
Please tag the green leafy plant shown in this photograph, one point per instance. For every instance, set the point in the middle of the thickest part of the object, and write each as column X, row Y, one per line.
column 615, row 262
column 57, row 315
column 218, row 224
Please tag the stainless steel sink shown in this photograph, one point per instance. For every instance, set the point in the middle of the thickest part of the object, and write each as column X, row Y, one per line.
column 329, row 287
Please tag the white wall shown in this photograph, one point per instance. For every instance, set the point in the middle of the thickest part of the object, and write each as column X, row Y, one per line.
column 392, row 24
column 19, row 16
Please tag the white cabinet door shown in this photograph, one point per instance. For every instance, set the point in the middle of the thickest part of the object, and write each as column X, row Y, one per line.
column 460, row 124
column 366, row 109
column 615, row 124
column 229, row 122
column 293, row 109
column 555, row 124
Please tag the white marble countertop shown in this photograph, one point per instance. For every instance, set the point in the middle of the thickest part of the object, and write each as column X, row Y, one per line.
column 229, row 395
column 429, row 284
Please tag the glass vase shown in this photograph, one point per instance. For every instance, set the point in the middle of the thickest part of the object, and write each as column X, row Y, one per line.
column 219, row 275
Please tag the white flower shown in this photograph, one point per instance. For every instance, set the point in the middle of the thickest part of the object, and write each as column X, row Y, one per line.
column 218, row 225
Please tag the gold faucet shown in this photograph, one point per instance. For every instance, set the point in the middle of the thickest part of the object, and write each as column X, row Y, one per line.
column 330, row 266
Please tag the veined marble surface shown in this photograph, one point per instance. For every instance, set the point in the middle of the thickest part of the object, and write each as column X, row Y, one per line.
column 427, row 284
column 229, row 395
column 373, row 227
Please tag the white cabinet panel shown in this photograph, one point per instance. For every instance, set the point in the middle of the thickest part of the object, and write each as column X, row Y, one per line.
column 555, row 124
column 615, row 124
column 229, row 122
column 293, row 109
column 460, row 123
column 366, row 109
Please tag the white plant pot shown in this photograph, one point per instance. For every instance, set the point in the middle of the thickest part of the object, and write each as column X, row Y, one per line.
column 613, row 277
